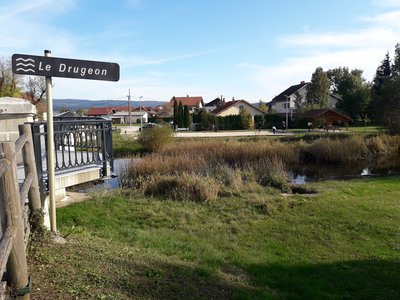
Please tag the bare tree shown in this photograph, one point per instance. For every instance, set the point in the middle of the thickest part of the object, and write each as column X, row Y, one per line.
column 35, row 88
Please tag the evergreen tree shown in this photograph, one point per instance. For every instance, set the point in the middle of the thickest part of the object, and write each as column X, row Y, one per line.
column 318, row 89
column 186, row 117
column 391, row 105
column 180, row 115
column 382, row 76
column 176, row 113
column 396, row 61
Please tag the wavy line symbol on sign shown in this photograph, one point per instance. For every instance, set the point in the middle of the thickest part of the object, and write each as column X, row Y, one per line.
column 25, row 64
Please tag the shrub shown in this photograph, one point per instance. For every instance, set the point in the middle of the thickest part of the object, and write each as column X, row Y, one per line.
column 335, row 150
column 154, row 139
column 183, row 187
column 272, row 172
column 229, row 179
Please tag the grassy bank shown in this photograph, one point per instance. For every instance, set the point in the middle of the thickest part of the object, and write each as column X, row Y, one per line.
column 342, row 243
column 125, row 145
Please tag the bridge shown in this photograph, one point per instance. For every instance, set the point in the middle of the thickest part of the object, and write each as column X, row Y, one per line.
column 83, row 152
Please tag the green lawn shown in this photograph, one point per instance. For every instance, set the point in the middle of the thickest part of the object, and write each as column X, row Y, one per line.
column 124, row 145
column 342, row 243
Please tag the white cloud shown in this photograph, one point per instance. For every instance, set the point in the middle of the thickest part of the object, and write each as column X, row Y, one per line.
column 358, row 39
column 356, row 48
column 386, row 3
column 133, row 3
column 388, row 19
column 27, row 25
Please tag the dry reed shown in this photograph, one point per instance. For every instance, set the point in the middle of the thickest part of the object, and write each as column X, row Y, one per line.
column 188, row 169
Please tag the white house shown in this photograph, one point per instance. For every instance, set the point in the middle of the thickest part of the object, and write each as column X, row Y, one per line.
column 122, row 117
column 292, row 94
column 235, row 106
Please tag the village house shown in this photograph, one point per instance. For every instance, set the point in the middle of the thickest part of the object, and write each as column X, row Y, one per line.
column 192, row 102
column 235, row 106
column 217, row 102
column 297, row 92
column 104, row 112
column 119, row 114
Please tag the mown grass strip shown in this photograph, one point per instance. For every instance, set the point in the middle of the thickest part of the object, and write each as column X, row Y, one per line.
column 341, row 243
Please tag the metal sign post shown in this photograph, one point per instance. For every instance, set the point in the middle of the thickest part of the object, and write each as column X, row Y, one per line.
column 59, row 67
column 50, row 152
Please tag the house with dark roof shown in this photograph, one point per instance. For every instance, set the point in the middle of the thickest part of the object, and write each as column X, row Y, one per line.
column 217, row 102
column 297, row 92
column 235, row 106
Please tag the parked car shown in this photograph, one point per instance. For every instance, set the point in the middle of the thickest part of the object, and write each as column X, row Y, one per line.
column 148, row 125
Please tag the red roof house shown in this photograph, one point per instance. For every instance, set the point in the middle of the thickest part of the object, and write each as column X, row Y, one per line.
column 100, row 111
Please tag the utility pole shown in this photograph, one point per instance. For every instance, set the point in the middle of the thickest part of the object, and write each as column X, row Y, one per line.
column 140, row 107
column 287, row 112
column 129, row 107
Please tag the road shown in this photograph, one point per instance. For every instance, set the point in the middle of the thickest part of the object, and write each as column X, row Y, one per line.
column 133, row 130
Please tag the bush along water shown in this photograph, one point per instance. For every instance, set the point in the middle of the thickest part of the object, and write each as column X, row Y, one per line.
column 203, row 170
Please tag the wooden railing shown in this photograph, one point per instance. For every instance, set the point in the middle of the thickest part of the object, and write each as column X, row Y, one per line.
column 14, row 232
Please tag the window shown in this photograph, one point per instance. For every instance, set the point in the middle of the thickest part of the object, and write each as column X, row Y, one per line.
column 241, row 106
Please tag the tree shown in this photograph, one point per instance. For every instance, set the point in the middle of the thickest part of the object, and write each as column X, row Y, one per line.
column 176, row 114
column 35, row 88
column 396, row 61
column 353, row 89
column 246, row 119
column 382, row 76
column 180, row 115
column 390, row 94
column 318, row 89
column 9, row 82
column 298, row 101
column 186, row 117
column 355, row 102
column 263, row 106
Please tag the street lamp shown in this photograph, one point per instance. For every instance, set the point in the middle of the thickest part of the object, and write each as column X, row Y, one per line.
column 140, row 108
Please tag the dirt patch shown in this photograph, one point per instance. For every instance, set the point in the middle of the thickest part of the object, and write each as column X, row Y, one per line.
column 72, row 197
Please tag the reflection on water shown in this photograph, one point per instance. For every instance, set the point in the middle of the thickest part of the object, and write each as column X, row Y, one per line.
column 119, row 166
column 300, row 174
column 105, row 184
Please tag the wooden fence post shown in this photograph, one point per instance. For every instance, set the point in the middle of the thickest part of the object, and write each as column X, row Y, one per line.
column 28, row 155
column 17, row 264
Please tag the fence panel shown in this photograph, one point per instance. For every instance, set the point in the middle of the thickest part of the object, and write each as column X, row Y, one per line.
column 13, row 218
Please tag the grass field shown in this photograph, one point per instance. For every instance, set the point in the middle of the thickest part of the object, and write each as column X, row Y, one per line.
column 342, row 243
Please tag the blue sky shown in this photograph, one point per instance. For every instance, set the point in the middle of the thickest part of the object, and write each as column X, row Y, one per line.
column 247, row 49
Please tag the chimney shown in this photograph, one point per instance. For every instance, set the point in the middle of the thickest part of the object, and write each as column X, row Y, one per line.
column 187, row 96
column 302, row 82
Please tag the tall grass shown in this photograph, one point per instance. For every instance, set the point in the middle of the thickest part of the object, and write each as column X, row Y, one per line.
column 200, row 170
